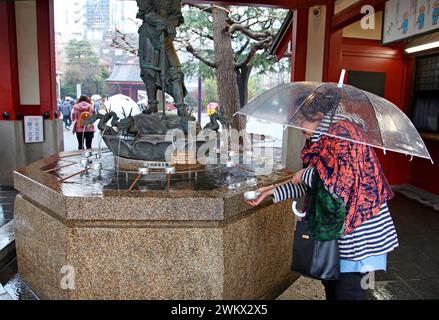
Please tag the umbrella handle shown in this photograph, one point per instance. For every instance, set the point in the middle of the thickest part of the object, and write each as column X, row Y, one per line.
column 297, row 212
column 342, row 76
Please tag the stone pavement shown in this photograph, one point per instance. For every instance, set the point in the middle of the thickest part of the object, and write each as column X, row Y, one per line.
column 71, row 142
column 304, row 289
column 412, row 268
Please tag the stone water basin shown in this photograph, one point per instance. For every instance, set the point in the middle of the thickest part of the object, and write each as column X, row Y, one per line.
column 191, row 238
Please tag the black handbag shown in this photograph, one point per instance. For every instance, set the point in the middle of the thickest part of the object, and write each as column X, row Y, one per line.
column 318, row 259
column 313, row 258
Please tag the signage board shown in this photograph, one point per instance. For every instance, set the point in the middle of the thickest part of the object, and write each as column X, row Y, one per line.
column 404, row 19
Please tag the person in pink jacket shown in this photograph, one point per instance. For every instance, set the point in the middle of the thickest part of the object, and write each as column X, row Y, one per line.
column 81, row 111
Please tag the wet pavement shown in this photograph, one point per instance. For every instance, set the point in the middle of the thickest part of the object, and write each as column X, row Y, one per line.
column 412, row 268
column 7, row 198
column 14, row 287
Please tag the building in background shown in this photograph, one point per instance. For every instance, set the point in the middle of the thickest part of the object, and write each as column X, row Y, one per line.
column 125, row 79
column 97, row 18
column 70, row 19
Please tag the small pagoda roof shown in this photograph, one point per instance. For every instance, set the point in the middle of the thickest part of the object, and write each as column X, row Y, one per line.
column 125, row 72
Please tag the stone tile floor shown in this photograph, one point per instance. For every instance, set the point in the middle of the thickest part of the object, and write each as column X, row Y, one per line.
column 412, row 268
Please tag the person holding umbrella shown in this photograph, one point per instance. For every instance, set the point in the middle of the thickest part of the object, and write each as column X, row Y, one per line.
column 336, row 155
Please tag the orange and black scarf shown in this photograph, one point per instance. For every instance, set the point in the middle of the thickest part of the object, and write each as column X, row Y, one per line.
column 349, row 171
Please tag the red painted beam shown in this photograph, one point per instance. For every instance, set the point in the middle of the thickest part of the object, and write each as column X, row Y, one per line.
column 286, row 4
column 353, row 13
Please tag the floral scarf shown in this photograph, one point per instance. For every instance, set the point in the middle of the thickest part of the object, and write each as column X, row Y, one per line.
column 349, row 171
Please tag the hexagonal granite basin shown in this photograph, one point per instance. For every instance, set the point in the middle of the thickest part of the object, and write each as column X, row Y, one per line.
column 85, row 234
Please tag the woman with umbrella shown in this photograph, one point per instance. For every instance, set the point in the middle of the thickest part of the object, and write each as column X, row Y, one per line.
column 337, row 158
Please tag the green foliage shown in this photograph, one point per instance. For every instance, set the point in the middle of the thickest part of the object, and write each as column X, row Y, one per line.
column 255, row 87
column 197, row 31
column 80, row 52
column 195, row 68
column 209, row 92
column 191, row 101
column 83, row 66
column 261, row 20
column 68, row 90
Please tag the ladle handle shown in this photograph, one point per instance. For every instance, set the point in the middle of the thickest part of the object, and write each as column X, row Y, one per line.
column 134, row 182
column 73, row 175
column 297, row 212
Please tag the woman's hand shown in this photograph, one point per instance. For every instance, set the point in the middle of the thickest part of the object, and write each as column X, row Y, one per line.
column 297, row 179
column 265, row 192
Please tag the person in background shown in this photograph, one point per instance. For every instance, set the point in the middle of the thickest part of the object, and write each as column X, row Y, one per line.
column 82, row 110
column 66, row 110
column 97, row 106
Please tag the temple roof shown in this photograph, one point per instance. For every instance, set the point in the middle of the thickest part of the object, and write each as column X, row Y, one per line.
column 125, row 72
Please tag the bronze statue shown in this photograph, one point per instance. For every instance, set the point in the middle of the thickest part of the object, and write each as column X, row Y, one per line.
column 161, row 68
column 143, row 136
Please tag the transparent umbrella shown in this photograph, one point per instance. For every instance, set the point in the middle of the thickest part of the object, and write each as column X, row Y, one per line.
column 122, row 105
column 384, row 125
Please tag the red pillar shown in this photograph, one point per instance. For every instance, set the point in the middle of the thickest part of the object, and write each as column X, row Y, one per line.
column 333, row 59
column 9, row 90
column 299, row 44
column 46, row 56
column 328, row 25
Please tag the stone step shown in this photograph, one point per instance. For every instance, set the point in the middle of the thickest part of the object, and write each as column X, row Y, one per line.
column 7, row 243
column 423, row 197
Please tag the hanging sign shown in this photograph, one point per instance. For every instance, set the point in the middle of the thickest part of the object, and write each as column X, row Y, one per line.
column 405, row 19
column 33, row 129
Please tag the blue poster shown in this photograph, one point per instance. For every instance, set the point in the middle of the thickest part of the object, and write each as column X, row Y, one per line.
column 408, row 18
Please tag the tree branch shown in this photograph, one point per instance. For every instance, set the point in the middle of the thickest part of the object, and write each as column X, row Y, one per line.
column 207, row 62
column 123, row 41
column 264, row 44
column 202, row 34
column 231, row 21
column 240, row 51
column 245, row 30
column 207, row 9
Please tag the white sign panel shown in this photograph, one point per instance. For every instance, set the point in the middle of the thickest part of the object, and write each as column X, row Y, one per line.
column 33, row 129
column 408, row 18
